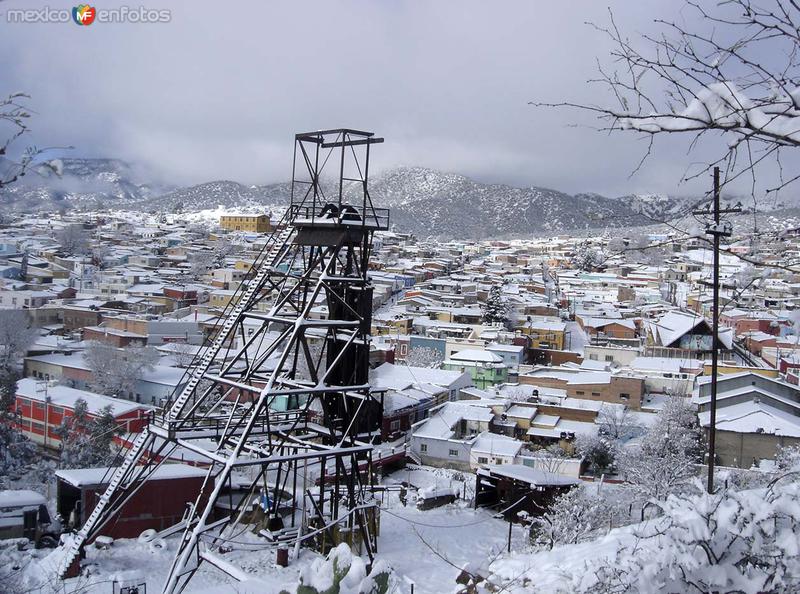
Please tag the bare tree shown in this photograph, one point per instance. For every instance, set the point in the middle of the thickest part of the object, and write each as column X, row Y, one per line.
column 617, row 423
column 14, row 115
column 116, row 371
column 16, row 335
column 184, row 353
column 728, row 70
column 73, row 239
column 732, row 68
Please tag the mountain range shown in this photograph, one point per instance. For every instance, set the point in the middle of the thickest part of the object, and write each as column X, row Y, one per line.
column 422, row 201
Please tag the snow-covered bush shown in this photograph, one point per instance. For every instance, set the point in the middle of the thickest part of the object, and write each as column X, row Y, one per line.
column 573, row 517
column 599, row 452
column 344, row 573
column 731, row 541
column 665, row 461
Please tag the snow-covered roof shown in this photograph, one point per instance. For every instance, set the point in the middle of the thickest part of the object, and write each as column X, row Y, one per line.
column 85, row 477
column 496, row 445
column 441, row 422
column 398, row 377
column 66, row 397
column 526, row 474
column 21, row 498
column 478, row 355
column 753, row 417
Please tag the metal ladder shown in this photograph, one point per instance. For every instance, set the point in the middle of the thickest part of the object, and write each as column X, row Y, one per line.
column 142, row 442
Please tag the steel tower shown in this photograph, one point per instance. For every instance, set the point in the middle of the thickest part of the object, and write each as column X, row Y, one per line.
column 277, row 404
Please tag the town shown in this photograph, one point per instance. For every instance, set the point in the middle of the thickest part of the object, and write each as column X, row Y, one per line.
column 400, row 297
column 539, row 364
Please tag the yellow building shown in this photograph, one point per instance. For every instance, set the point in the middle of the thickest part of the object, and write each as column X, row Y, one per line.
column 252, row 223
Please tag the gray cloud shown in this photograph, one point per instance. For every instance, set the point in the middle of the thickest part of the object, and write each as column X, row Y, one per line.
column 220, row 90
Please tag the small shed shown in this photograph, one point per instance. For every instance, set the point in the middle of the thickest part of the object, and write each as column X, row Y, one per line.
column 158, row 504
column 23, row 514
column 515, row 488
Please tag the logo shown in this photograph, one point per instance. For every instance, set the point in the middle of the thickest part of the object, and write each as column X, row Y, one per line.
column 83, row 14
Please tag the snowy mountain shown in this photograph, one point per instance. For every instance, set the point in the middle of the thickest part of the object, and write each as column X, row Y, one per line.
column 422, row 201
column 83, row 184
column 450, row 205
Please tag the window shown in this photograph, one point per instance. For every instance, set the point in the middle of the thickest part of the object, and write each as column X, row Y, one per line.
column 453, row 453
column 579, row 392
column 624, row 396
column 38, row 406
column 423, row 447
column 37, row 427
column 593, row 357
column 609, row 357
column 498, row 461
column 482, row 460
column 394, row 425
column 57, row 410
column 596, row 394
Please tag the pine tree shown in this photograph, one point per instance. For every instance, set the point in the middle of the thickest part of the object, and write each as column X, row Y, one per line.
column 496, row 309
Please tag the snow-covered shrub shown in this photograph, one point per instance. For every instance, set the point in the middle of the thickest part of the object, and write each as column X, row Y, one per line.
column 599, row 452
column 665, row 461
column 731, row 541
column 344, row 573
column 573, row 517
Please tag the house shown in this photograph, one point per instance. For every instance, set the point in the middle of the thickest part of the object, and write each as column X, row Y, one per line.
column 606, row 386
column 445, row 438
column 484, row 367
column 242, row 222
column 689, row 332
column 673, row 375
column 545, row 332
column 43, row 407
column 405, row 407
column 756, row 415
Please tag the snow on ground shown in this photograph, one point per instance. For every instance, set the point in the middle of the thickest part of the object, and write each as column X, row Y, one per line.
column 456, row 535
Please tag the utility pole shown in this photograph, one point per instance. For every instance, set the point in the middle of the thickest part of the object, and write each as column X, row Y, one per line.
column 716, row 230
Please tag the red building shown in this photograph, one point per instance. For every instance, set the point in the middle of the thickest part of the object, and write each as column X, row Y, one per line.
column 41, row 405
column 158, row 504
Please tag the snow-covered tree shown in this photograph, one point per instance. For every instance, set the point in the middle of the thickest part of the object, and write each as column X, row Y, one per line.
column 424, row 357
column 115, row 371
column 73, row 239
column 728, row 541
column 16, row 450
column 16, row 335
column 617, row 423
column 586, row 258
column 598, row 451
column 724, row 69
column 573, row 517
column 664, row 462
column 14, row 117
column 496, row 309
column 86, row 442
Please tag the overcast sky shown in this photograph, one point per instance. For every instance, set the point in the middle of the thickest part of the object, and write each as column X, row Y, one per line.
column 218, row 92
